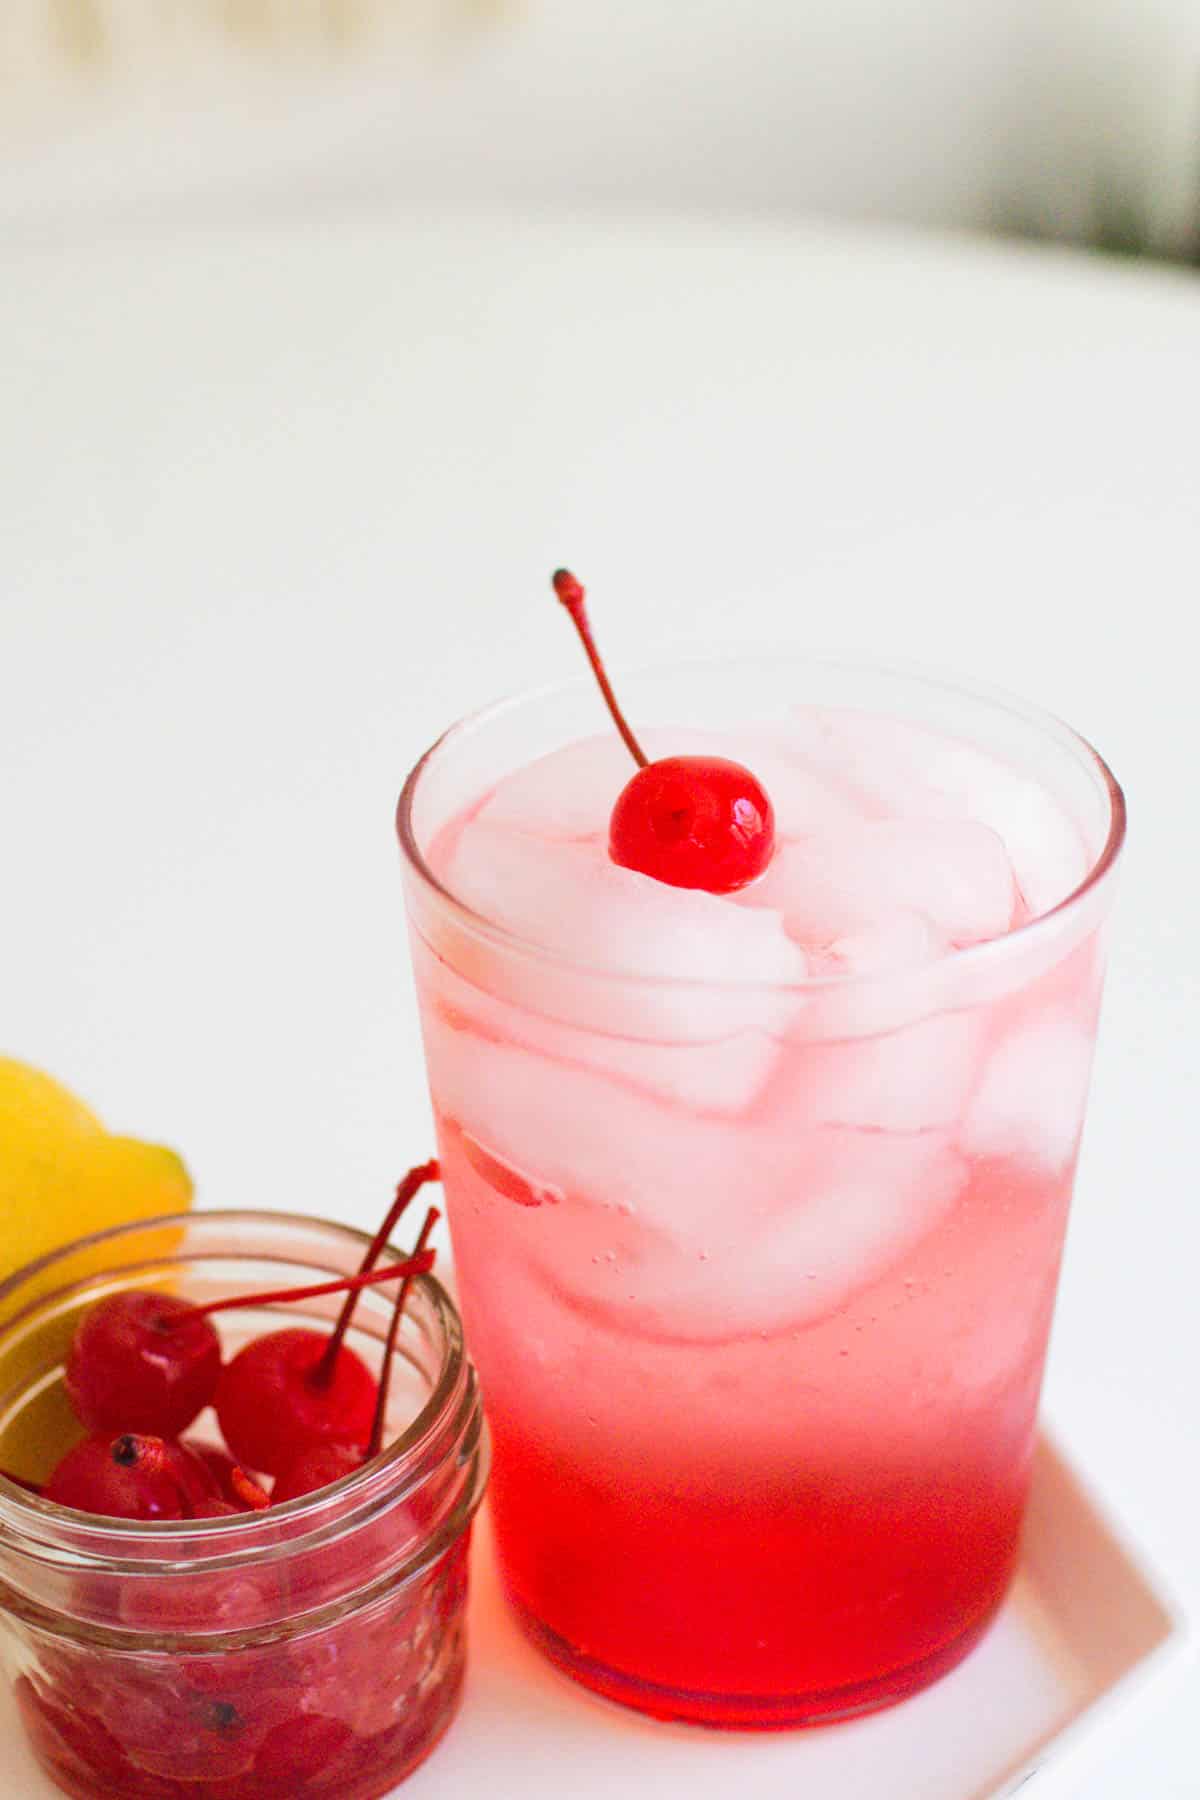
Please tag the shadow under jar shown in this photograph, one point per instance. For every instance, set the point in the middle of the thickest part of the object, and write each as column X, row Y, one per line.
column 313, row 1649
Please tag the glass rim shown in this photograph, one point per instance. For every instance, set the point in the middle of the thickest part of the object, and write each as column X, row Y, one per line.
column 16, row 1503
column 969, row 956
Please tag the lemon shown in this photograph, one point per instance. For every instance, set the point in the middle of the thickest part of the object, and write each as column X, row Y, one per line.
column 63, row 1176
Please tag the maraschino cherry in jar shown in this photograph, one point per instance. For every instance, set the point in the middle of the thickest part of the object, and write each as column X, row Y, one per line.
column 312, row 1647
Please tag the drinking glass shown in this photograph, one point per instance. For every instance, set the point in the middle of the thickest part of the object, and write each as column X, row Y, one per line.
column 759, row 1277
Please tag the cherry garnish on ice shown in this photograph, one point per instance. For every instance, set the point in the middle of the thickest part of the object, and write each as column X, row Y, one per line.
column 322, row 1464
column 141, row 1361
column 689, row 821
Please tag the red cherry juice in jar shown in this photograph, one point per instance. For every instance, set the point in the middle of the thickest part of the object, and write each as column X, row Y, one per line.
column 758, row 1198
column 312, row 1649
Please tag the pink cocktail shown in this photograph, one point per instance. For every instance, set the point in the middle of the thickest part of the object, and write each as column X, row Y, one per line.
column 758, row 1200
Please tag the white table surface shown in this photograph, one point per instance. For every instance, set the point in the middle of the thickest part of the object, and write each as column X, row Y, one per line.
column 277, row 502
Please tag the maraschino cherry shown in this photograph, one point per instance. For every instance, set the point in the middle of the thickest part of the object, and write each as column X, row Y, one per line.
column 269, row 1401
column 291, row 1390
column 270, row 1405
column 142, row 1361
column 319, row 1465
column 132, row 1476
column 690, row 821
column 140, row 1476
column 218, row 1462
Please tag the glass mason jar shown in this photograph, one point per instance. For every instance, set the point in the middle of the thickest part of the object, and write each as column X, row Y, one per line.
column 316, row 1648
column 759, row 1274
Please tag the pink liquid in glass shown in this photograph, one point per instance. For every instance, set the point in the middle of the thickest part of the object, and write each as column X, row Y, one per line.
column 758, row 1204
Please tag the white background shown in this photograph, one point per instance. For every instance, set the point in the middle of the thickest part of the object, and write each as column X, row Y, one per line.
column 961, row 112
column 278, row 503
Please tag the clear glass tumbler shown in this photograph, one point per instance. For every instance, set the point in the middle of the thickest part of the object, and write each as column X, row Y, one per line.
column 759, row 1279
column 313, row 1649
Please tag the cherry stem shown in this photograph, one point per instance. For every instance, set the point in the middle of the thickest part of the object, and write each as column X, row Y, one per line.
column 248, row 1490
column 410, row 1186
column 412, row 1265
column 375, row 1441
column 573, row 597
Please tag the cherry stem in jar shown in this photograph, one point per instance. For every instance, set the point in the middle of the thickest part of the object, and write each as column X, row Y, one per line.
column 349, row 1284
column 573, row 596
column 248, row 1491
column 410, row 1186
column 375, row 1441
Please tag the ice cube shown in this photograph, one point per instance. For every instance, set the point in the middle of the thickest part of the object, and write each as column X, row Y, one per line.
column 878, row 763
column 832, row 885
column 906, row 940
column 1046, row 845
column 618, row 950
column 899, row 769
column 719, row 1077
column 594, row 1142
column 896, row 972
column 866, row 1199
column 1031, row 1097
column 715, row 1227
column 568, row 794
column 911, row 1080
column 571, row 792
column 845, row 1208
